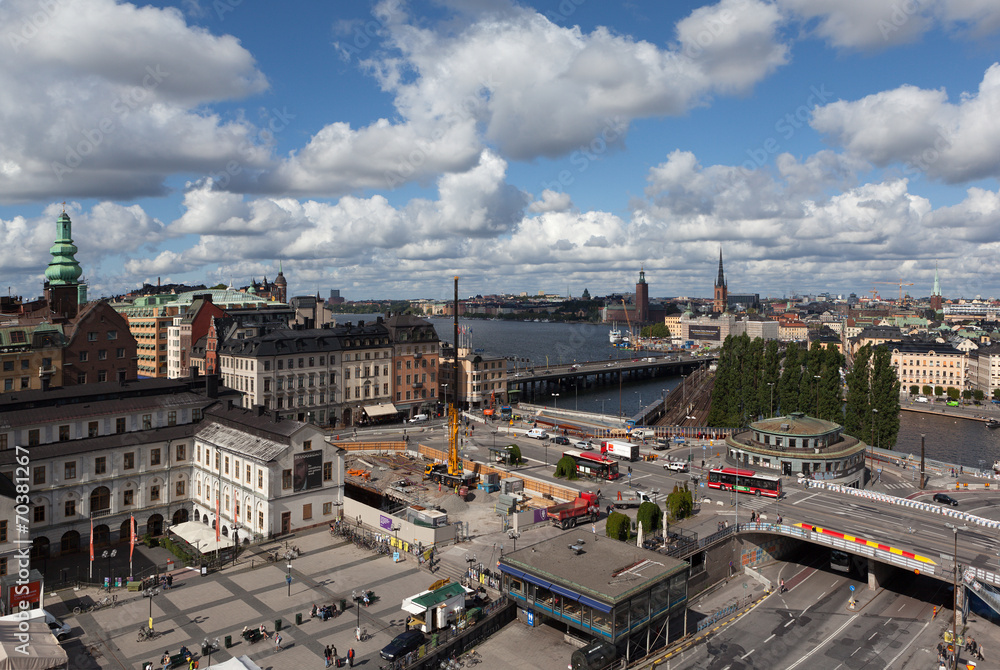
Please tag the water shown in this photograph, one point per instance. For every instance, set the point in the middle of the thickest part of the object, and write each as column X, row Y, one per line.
column 967, row 443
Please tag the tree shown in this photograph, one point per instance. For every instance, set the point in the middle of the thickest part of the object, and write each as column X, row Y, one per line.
column 655, row 330
column 939, row 391
column 926, row 390
column 788, row 384
column 515, row 453
column 724, row 409
column 996, row 394
column 769, row 375
column 857, row 417
column 914, row 389
column 650, row 516
column 967, row 394
column 566, row 467
column 953, row 393
column 809, row 384
column 680, row 503
column 978, row 395
column 884, row 398
column 618, row 526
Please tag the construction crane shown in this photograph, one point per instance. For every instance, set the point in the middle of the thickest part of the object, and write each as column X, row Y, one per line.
column 895, row 283
column 453, row 473
column 632, row 339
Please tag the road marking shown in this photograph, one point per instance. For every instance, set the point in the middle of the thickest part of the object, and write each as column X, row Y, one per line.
column 823, row 643
column 790, row 622
column 744, row 656
column 805, row 499
column 873, row 636
column 903, row 650
column 769, row 639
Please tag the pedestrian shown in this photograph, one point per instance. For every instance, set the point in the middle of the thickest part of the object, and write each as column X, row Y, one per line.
column 781, row 587
column 326, row 655
column 350, row 657
column 979, row 653
column 166, row 659
column 170, row 581
column 277, row 642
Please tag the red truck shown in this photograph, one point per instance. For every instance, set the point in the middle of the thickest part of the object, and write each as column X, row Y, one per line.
column 586, row 508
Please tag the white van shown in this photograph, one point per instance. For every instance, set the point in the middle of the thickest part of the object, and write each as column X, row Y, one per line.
column 676, row 466
column 58, row 628
column 537, row 433
column 418, row 417
column 922, row 398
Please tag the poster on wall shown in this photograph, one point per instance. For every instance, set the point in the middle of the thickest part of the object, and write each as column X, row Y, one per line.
column 703, row 333
column 308, row 473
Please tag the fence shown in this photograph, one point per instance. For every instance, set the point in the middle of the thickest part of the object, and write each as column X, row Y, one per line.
column 463, row 635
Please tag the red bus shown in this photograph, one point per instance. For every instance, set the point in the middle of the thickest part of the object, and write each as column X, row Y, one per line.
column 744, row 481
column 593, row 465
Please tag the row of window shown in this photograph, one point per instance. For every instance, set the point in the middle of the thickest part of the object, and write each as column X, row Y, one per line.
column 93, row 335
column 102, row 354
column 100, row 501
column 156, row 457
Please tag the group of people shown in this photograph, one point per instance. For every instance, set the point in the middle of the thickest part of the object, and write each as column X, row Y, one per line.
column 324, row 612
column 331, row 658
column 184, row 653
column 974, row 648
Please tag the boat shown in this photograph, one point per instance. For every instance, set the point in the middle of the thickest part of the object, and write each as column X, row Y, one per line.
column 615, row 336
column 993, row 423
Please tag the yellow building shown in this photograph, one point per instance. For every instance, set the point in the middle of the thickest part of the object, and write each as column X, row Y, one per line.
column 929, row 364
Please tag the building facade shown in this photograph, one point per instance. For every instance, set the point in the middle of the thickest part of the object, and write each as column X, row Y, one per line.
column 929, row 364
column 416, row 363
column 31, row 356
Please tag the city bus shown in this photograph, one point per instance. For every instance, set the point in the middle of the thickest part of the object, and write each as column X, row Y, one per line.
column 593, row 465
column 749, row 482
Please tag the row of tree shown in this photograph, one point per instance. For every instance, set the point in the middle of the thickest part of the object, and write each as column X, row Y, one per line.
column 754, row 380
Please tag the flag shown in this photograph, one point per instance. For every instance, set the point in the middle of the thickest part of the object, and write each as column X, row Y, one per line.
column 218, row 519
column 131, row 546
column 91, row 539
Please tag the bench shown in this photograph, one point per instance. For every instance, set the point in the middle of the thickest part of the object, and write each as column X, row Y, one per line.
column 252, row 636
column 179, row 660
column 135, row 586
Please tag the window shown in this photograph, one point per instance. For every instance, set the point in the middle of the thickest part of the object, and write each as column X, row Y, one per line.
column 248, row 473
column 128, row 497
column 154, row 456
column 260, row 478
column 260, row 520
column 24, row 382
column 147, row 421
column 92, row 429
column 39, row 475
column 328, row 471
column 154, row 492
column 70, row 509
column 180, row 488
column 327, row 508
column 227, row 465
column 3, row 530
column 181, row 451
column 83, row 356
column 92, row 336
column 69, row 471
column 39, row 513
column 3, row 441
column 112, row 334
column 307, row 512
column 120, row 426
column 102, row 355
column 129, row 460
column 196, row 414
column 120, row 352
column 63, row 433
column 100, row 465
column 8, row 384
column 286, row 479
column 218, row 460
column 172, row 418
column 307, row 445
column 3, row 565
column 102, row 375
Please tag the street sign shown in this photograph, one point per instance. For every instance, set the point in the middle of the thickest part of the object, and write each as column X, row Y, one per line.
column 288, row 579
column 852, row 587
column 530, row 617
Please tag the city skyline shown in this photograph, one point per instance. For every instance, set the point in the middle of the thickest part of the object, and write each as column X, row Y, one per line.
column 524, row 147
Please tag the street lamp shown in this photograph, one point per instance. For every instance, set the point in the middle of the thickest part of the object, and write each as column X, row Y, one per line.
column 954, row 612
column 109, row 555
column 555, row 401
column 817, row 377
column 208, row 647
column 513, row 534
column 288, row 576
column 149, row 593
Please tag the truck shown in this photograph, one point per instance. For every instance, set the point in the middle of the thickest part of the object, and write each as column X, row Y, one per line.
column 620, row 449
column 438, row 472
column 584, row 509
column 631, row 498
column 643, row 433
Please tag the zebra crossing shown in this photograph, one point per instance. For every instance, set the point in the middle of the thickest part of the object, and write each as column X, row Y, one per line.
column 900, row 485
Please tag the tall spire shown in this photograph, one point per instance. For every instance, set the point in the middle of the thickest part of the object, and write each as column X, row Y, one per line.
column 63, row 270
column 937, row 286
column 720, row 281
column 642, row 275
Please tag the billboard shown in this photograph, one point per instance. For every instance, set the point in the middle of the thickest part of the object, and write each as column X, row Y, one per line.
column 308, row 472
column 703, row 333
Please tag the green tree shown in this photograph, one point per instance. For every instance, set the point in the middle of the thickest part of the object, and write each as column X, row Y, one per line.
column 914, row 389
column 655, row 330
column 978, row 395
column 769, row 376
column 650, row 516
column 810, row 380
column 752, row 359
column 967, row 394
column 566, row 467
column 724, row 409
column 996, row 394
column 680, row 503
column 788, row 385
column 618, row 526
column 927, row 390
column 953, row 393
column 939, row 391
column 857, row 416
column 884, row 398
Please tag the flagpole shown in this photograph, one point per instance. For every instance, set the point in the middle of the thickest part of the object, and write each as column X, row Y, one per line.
column 91, row 574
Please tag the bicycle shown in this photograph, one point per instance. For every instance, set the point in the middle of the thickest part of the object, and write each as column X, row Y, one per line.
column 145, row 633
column 473, row 658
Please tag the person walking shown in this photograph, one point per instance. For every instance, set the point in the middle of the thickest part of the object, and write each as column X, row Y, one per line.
column 350, row 657
column 277, row 642
column 326, row 655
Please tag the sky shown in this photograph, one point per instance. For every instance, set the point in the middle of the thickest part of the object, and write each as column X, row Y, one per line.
column 381, row 148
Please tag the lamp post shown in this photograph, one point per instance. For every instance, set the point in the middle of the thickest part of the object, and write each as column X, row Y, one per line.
column 208, row 647
column 513, row 534
column 149, row 593
column 954, row 612
column 288, row 577
column 817, row 377
column 555, row 400
column 770, row 408
column 109, row 555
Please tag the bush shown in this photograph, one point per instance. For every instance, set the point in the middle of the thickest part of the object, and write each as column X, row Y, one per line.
column 650, row 517
column 618, row 526
column 150, row 541
column 566, row 467
column 914, row 389
column 515, row 454
column 680, row 503
column 927, row 390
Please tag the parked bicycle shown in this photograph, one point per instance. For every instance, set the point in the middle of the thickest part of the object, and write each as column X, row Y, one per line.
column 106, row 601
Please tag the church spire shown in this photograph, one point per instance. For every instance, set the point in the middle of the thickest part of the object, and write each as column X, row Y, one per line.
column 937, row 285
column 720, row 281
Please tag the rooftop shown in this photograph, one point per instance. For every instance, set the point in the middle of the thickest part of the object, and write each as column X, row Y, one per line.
column 604, row 568
column 795, row 424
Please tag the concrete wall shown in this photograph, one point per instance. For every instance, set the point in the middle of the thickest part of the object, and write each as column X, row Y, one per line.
column 408, row 532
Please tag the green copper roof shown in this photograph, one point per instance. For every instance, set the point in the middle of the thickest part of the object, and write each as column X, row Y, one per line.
column 63, row 268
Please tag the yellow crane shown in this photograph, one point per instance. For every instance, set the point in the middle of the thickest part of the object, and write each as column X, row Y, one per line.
column 895, row 283
column 632, row 339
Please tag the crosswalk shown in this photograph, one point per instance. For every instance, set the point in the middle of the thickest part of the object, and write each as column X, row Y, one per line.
column 899, row 486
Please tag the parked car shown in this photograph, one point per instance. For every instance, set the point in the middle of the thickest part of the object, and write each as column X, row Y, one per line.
column 945, row 499
column 402, row 645
column 661, row 443
column 922, row 398
column 537, row 433
column 560, row 439
column 584, row 445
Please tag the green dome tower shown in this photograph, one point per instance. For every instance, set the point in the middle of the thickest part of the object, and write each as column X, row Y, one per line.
column 62, row 278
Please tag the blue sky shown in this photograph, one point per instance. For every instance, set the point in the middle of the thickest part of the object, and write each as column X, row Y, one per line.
column 381, row 148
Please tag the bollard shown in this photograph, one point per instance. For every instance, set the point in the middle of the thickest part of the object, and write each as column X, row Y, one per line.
column 298, row 618
column 277, row 625
column 229, row 641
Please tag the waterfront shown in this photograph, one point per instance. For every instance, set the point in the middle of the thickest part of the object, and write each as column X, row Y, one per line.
column 967, row 443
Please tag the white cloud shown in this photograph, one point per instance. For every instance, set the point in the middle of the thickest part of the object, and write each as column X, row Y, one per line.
column 104, row 99
column 921, row 129
column 552, row 201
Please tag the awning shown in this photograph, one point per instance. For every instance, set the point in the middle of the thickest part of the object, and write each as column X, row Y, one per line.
column 381, row 410
column 201, row 536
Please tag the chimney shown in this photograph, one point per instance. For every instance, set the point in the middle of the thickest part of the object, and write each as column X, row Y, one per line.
column 229, row 403
column 277, row 417
column 212, row 386
column 193, row 370
column 261, row 410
